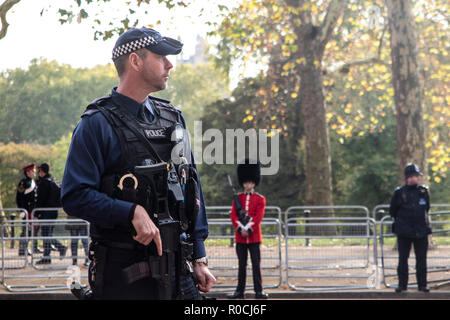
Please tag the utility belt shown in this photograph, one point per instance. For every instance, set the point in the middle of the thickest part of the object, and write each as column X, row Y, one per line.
column 160, row 268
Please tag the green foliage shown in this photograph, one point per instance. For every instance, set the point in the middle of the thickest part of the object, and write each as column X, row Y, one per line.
column 192, row 87
column 13, row 157
column 283, row 189
column 43, row 103
column 364, row 168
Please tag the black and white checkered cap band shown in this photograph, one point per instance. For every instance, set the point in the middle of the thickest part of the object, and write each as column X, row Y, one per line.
column 132, row 46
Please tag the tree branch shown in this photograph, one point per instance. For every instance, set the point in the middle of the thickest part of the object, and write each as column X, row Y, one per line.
column 335, row 10
column 380, row 44
column 345, row 66
column 4, row 8
column 304, row 15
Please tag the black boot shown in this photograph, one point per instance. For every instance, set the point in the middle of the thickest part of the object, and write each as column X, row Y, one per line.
column 44, row 261
column 400, row 289
column 236, row 295
column 261, row 295
column 36, row 249
column 424, row 289
column 62, row 252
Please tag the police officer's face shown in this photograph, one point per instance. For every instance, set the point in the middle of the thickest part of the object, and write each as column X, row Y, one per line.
column 412, row 180
column 155, row 71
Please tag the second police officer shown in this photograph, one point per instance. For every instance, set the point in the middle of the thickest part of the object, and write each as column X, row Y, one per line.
column 122, row 177
column 409, row 208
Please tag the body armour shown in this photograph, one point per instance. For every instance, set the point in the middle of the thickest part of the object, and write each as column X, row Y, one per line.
column 142, row 144
column 409, row 208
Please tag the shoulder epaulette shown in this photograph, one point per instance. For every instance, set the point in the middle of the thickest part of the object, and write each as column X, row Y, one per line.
column 164, row 103
column 93, row 106
column 158, row 99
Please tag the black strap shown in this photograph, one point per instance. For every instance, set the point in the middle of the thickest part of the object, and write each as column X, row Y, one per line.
column 123, row 144
column 126, row 118
column 100, row 253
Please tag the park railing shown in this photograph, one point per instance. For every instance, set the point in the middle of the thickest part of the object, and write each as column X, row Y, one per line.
column 223, row 212
column 438, row 256
column 28, row 268
column 223, row 259
column 331, row 253
column 325, row 248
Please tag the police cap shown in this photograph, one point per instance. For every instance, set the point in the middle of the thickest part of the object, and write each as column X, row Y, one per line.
column 412, row 170
column 138, row 38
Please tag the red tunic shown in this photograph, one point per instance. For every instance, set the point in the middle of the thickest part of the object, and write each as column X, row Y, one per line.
column 255, row 205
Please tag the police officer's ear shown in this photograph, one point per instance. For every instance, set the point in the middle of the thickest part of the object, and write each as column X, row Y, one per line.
column 136, row 61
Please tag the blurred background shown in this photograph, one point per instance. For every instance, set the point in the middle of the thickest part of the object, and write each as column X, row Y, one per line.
column 326, row 74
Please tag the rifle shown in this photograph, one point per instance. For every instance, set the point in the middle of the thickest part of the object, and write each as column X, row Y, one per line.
column 243, row 218
column 157, row 176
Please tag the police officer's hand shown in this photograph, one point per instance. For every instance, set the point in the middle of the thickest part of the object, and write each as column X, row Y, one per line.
column 204, row 277
column 146, row 231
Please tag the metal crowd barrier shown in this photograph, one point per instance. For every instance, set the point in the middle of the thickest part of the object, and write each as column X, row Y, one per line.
column 223, row 259
column 11, row 232
column 382, row 210
column 337, row 256
column 438, row 257
column 60, row 235
column 223, row 212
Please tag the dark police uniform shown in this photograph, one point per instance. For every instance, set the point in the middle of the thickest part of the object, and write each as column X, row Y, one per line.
column 26, row 197
column 45, row 200
column 115, row 135
column 409, row 207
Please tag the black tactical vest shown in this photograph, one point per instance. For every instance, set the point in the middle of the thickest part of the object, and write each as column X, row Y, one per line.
column 141, row 143
column 412, row 218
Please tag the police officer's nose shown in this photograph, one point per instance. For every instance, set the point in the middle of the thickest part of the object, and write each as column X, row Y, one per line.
column 167, row 64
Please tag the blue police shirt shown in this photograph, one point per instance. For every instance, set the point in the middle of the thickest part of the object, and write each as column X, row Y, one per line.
column 94, row 150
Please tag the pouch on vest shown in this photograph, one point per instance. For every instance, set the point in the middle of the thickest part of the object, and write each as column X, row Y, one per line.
column 192, row 197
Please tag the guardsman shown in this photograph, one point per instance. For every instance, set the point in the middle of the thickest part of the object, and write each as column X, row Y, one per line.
column 248, row 234
column 409, row 208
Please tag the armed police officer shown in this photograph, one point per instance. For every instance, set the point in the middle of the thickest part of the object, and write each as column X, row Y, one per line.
column 130, row 173
column 409, row 209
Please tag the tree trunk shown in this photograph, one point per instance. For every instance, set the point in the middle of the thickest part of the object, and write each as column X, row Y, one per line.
column 407, row 89
column 311, row 42
column 318, row 162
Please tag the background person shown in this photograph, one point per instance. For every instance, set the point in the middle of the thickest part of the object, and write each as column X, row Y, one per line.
column 46, row 196
column 409, row 208
column 78, row 230
column 249, row 237
column 26, row 197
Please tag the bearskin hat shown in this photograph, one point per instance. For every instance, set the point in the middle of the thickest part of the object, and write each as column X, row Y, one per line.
column 249, row 170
